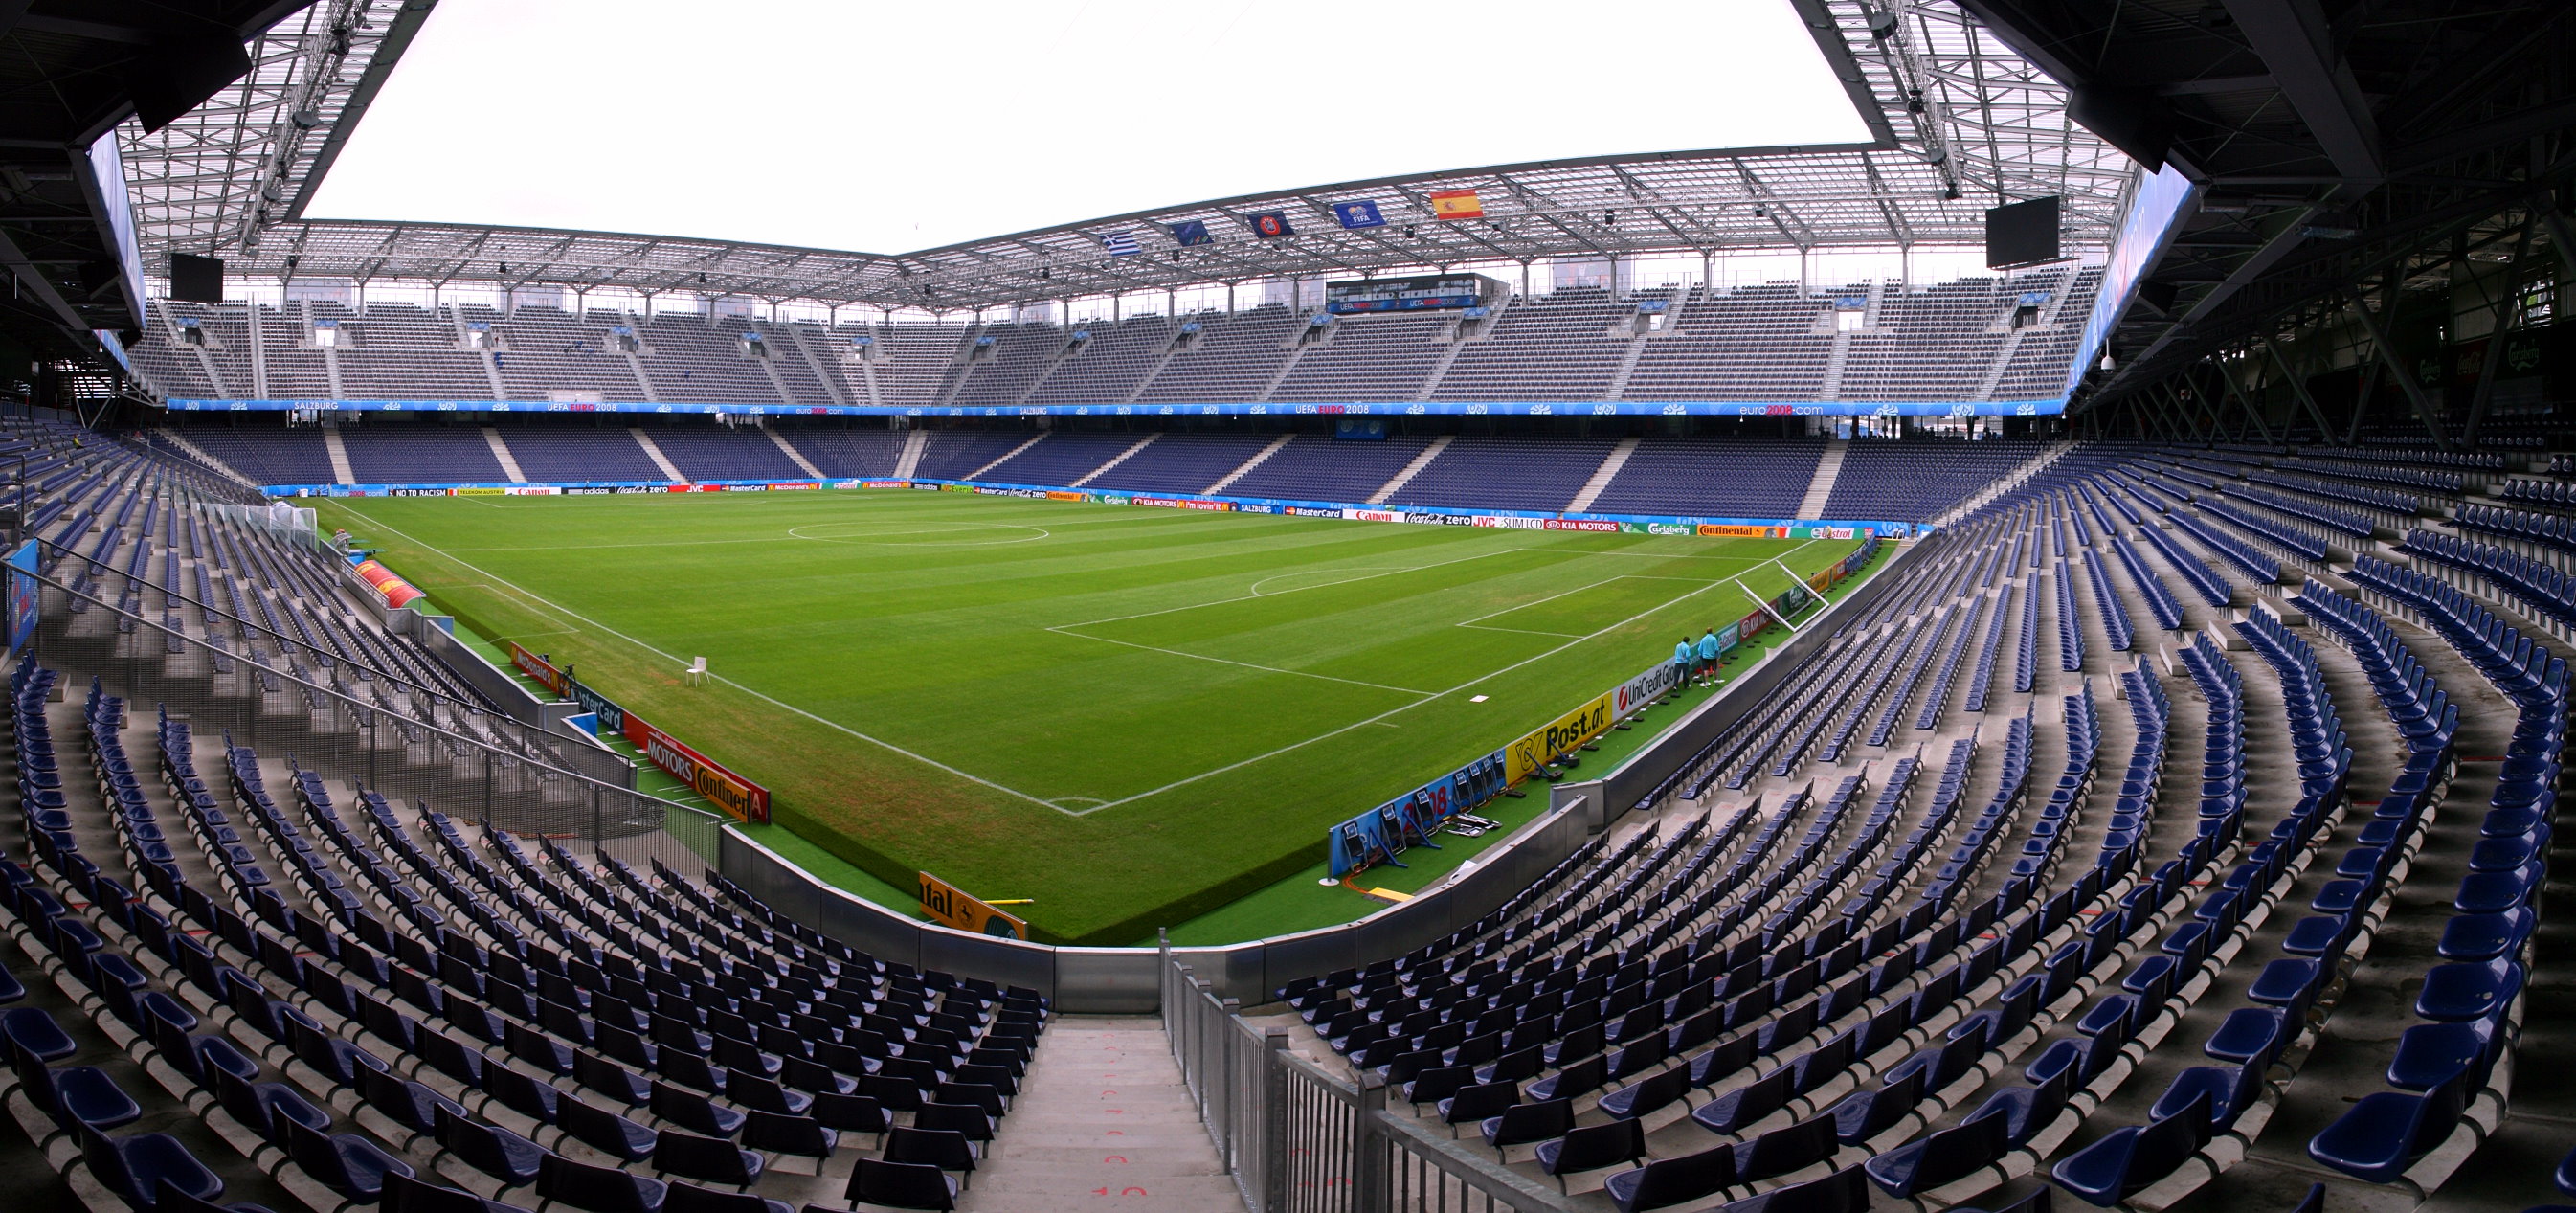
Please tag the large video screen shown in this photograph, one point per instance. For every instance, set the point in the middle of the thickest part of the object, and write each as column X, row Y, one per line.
column 2159, row 201
column 1406, row 294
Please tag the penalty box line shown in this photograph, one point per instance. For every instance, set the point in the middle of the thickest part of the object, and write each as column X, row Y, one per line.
column 773, row 701
column 1016, row 793
column 1293, row 746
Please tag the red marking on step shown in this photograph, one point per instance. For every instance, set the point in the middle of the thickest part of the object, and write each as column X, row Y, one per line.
column 1107, row 1094
column 1132, row 1192
column 1119, row 1159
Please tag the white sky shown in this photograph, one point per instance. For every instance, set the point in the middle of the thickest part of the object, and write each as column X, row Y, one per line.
column 891, row 128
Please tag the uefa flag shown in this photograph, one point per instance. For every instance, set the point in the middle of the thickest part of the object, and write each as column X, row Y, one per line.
column 1456, row 204
column 1358, row 214
column 1120, row 243
column 1270, row 225
column 1190, row 232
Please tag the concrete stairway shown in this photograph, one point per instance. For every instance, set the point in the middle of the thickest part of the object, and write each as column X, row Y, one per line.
column 1102, row 1117
column 340, row 472
column 501, row 452
column 1122, row 457
column 1256, row 461
column 1603, row 475
column 794, row 456
column 910, row 461
column 1828, row 470
column 660, row 460
column 1412, row 469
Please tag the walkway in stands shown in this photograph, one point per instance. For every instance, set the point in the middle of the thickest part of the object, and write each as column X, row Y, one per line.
column 1102, row 1118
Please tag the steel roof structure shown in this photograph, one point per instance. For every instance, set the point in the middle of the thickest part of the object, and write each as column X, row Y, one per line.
column 1961, row 123
column 2348, row 152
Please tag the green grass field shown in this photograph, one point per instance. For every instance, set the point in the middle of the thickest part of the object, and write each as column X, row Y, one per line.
column 1133, row 716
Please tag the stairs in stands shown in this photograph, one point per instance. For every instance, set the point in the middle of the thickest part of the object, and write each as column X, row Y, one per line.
column 910, row 461
column 501, row 451
column 1603, row 475
column 198, row 453
column 794, row 456
column 1035, row 439
column 1259, row 458
column 1412, row 469
column 660, row 460
column 1821, row 489
column 1102, row 1114
column 1122, row 457
column 340, row 473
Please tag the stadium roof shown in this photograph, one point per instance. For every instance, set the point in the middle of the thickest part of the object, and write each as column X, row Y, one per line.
column 1961, row 123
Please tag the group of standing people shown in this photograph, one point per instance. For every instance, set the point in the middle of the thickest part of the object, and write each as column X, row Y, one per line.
column 1696, row 663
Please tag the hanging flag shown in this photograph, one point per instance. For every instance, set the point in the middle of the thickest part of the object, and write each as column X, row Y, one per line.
column 1270, row 225
column 1362, row 213
column 1120, row 243
column 1456, row 204
column 1190, row 232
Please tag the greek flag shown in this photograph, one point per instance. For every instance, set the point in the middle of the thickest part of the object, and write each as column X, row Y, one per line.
column 1120, row 243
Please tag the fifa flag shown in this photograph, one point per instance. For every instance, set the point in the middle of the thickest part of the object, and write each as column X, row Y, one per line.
column 1456, row 204
column 1270, row 225
column 1355, row 215
column 1190, row 232
column 1120, row 243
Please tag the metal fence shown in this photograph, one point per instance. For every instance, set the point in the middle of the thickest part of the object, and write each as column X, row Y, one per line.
column 230, row 698
column 1299, row 1139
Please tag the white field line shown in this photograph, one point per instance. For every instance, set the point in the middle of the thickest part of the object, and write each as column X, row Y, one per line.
column 1271, row 669
column 781, row 704
column 1297, row 745
column 1096, row 806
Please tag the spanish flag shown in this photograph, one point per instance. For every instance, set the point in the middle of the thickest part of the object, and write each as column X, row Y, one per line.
column 1456, row 204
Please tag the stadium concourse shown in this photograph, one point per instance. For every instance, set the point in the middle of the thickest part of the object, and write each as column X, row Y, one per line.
column 2215, row 881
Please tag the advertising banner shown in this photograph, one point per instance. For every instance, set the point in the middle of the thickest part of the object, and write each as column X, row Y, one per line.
column 1823, row 579
column 1580, row 524
column 1727, row 638
column 1719, row 530
column 1645, row 688
column 536, row 490
column 950, row 906
column 1792, row 600
column 479, row 492
column 612, row 718
column 1066, row 496
column 1182, row 503
column 1373, row 515
column 1525, row 756
column 880, row 484
column 538, row 668
column 745, row 800
column 22, row 596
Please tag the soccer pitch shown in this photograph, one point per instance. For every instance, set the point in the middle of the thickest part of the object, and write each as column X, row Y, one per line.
column 1129, row 715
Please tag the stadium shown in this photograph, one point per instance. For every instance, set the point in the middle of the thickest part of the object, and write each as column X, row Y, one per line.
column 1611, row 680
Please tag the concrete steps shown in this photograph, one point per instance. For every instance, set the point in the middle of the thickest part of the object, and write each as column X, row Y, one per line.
column 1249, row 464
column 660, row 460
column 1101, row 1115
column 1603, row 475
column 340, row 473
column 1828, row 470
column 501, row 452
column 794, row 456
column 1412, row 469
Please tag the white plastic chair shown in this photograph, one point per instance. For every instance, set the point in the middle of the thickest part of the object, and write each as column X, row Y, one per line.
column 697, row 673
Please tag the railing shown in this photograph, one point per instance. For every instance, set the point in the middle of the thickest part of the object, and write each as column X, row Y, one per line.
column 361, row 678
column 1299, row 1139
column 234, row 699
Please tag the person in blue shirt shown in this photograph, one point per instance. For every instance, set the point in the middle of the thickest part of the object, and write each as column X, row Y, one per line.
column 1708, row 657
column 1682, row 662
